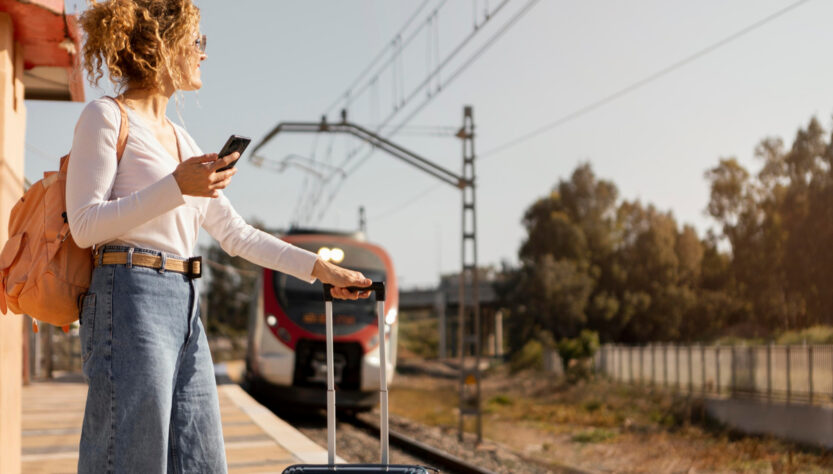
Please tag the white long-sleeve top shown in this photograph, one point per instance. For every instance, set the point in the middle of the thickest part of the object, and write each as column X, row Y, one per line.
column 138, row 201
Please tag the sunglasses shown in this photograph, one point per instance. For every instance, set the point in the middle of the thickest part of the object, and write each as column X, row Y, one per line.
column 199, row 43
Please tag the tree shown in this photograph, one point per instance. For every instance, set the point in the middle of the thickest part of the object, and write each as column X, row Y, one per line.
column 779, row 223
column 624, row 270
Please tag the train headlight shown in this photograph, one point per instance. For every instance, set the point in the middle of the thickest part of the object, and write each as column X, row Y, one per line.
column 335, row 255
column 390, row 318
column 271, row 320
column 324, row 253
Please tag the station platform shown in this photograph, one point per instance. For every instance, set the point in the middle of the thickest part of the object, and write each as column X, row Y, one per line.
column 256, row 440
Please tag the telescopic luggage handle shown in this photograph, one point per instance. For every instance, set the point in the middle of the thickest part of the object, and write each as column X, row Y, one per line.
column 378, row 287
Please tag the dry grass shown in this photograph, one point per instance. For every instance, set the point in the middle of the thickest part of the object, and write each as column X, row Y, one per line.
column 601, row 426
column 412, row 403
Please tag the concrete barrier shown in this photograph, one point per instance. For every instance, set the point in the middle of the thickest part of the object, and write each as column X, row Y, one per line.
column 806, row 424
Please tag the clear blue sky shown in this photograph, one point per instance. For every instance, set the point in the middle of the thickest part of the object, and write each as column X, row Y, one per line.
column 277, row 61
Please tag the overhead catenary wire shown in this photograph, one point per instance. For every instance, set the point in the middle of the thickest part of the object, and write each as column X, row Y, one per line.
column 348, row 92
column 611, row 97
column 426, row 81
column 444, row 63
column 40, row 153
column 406, row 203
column 435, row 73
column 468, row 62
column 641, row 82
column 395, row 47
column 397, row 44
column 426, row 130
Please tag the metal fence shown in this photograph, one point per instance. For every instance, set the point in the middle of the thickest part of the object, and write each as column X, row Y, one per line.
column 51, row 350
column 772, row 372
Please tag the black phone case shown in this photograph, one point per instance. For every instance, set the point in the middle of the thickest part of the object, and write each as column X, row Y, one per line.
column 234, row 143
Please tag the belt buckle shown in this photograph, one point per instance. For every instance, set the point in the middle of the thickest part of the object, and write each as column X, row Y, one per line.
column 195, row 262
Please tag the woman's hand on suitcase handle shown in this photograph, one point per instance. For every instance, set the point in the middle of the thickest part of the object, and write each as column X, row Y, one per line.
column 198, row 176
column 341, row 278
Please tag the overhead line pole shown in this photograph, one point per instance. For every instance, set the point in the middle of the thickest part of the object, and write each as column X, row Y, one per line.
column 377, row 141
column 469, row 335
column 469, row 340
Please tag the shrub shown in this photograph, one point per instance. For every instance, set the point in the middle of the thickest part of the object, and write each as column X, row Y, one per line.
column 596, row 435
column 592, row 405
column 501, row 399
column 811, row 335
column 581, row 347
column 420, row 337
column 531, row 356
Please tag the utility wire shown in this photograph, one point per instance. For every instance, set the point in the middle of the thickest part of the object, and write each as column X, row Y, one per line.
column 430, row 130
column 400, row 45
column 642, row 82
column 396, row 43
column 488, row 44
column 525, row 9
column 447, row 60
column 611, row 97
column 348, row 93
column 423, row 84
column 406, row 203
column 40, row 153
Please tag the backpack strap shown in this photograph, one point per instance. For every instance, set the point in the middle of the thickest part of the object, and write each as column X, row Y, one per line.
column 121, row 143
column 124, row 128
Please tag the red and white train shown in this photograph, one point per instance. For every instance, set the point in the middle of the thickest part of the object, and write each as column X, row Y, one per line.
column 286, row 356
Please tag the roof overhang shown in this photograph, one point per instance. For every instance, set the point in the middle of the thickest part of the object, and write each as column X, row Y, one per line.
column 51, row 43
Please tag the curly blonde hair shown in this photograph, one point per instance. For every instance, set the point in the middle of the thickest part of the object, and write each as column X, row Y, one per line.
column 138, row 41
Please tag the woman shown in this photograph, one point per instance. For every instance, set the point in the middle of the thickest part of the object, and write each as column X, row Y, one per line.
column 152, row 403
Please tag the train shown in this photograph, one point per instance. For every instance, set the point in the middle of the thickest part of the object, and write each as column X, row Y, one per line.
column 286, row 351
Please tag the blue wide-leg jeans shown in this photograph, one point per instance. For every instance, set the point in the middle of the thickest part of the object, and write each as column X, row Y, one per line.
column 152, row 403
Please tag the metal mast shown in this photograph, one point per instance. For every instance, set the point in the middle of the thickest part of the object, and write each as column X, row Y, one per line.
column 469, row 305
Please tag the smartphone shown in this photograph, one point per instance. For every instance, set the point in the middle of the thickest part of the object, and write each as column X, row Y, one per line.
column 234, row 143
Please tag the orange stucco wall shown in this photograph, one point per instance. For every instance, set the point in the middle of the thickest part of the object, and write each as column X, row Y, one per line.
column 12, row 128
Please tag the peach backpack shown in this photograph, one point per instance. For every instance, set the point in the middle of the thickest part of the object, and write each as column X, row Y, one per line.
column 43, row 273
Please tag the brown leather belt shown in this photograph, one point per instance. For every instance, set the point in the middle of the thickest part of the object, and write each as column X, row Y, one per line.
column 191, row 267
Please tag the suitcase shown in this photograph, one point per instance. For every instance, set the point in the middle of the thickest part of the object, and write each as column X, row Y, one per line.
column 331, row 466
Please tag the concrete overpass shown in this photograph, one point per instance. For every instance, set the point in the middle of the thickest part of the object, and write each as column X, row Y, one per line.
column 443, row 301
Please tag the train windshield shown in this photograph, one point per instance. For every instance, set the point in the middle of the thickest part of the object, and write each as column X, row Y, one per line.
column 303, row 303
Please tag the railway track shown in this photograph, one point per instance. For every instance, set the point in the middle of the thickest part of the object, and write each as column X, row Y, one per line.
column 432, row 456
column 358, row 442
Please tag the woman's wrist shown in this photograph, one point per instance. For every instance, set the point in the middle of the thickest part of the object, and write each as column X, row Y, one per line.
column 176, row 176
column 320, row 270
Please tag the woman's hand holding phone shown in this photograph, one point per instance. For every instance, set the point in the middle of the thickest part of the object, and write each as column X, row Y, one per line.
column 235, row 143
column 201, row 175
